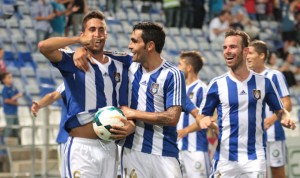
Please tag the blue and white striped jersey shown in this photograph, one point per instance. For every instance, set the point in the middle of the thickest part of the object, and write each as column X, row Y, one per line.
column 86, row 92
column 196, row 141
column 62, row 135
column 241, row 111
column 276, row 132
column 153, row 91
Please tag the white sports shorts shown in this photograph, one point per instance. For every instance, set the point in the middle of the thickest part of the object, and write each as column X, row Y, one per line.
column 90, row 158
column 143, row 165
column 235, row 169
column 194, row 164
column 276, row 153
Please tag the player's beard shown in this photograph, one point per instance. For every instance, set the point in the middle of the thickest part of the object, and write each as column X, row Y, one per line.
column 239, row 61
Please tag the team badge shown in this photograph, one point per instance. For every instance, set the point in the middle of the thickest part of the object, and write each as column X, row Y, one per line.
column 117, row 77
column 191, row 95
column 257, row 94
column 154, row 88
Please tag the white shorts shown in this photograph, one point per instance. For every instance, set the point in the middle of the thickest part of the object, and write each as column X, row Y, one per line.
column 276, row 153
column 61, row 159
column 144, row 165
column 242, row 169
column 194, row 164
column 90, row 158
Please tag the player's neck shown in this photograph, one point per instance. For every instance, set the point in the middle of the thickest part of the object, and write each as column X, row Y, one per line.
column 260, row 69
column 152, row 63
column 240, row 74
column 190, row 79
column 100, row 57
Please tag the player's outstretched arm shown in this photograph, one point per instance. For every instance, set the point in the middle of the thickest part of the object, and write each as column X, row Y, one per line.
column 45, row 101
column 166, row 118
column 189, row 129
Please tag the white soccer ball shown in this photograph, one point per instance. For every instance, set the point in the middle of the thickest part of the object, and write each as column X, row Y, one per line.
column 104, row 119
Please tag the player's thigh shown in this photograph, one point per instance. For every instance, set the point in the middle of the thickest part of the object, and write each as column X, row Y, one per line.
column 90, row 158
column 166, row 167
column 276, row 153
column 135, row 163
column 196, row 164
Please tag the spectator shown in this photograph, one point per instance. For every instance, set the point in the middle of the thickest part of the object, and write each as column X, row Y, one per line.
column 215, row 7
column 172, row 12
column 43, row 13
column 250, row 7
column 219, row 25
column 240, row 17
column 2, row 63
column 78, row 15
column 199, row 13
column 58, row 23
column 297, row 27
column 261, row 9
column 10, row 95
column 287, row 26
column 289, row 70
column 186, row 13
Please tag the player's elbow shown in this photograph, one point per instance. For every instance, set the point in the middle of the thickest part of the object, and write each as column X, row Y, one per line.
column 173, row 121
column 42, row 46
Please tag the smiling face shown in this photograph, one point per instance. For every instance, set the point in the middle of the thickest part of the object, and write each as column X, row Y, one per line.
column 233, row 51
column 96, row 29
column 138, row 46
column 254, row 59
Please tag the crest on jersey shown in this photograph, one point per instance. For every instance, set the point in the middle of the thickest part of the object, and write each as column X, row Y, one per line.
column 154, row 88
column 117, row 77
column 257, row 94
column 76, row 174
column 191, row 95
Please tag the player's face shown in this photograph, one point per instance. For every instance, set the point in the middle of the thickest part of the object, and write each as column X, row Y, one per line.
column 137, row 46
column 8, row 80
column 254, row 60
column 95, row 29
column 183, row 66
column 233, row 51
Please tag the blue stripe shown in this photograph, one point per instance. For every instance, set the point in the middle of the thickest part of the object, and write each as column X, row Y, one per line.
column 251, row 119
column 233, row 119
column 277, row 85
column 134, row 101
column 99, row 82
column 186, row 121
column 148, row 130
column 69, row 152
column 123, row 91
column 169, row 142
column 185, row 124
column 112, row 72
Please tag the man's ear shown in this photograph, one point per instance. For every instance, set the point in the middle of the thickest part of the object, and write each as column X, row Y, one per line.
column 150, row 46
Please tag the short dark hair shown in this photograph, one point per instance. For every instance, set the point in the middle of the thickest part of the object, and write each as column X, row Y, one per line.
column 152, row 32
column 245, row 37
column 91, row 15
column 194, row 58
column 260, row 47
column 3, row 75
column 224, row 12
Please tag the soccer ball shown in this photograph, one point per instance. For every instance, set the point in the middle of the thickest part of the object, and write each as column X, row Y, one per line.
column 104, row 119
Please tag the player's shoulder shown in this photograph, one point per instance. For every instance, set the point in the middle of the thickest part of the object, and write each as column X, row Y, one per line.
column 117, row 53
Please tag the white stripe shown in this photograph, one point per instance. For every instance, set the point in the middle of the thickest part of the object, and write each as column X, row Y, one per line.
column 223, row 94
column 90, row 89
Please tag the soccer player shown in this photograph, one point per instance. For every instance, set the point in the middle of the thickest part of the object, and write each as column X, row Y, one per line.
column 156, row 98
column 193, row 146
column 105, row 84
column 62, row 135
column 276, row 153
column 240, row 97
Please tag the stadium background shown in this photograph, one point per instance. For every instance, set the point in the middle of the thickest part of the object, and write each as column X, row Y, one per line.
column 36, row 155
